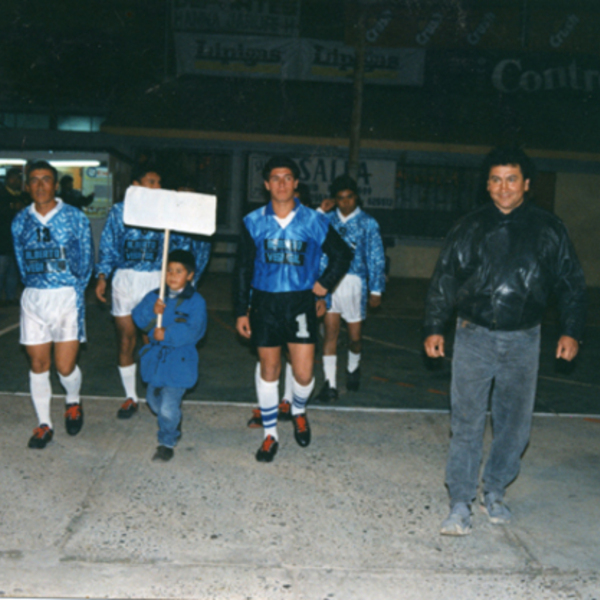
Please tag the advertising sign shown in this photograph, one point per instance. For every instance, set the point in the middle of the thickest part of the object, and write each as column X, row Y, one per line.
column 300, row 59
column 376, row 179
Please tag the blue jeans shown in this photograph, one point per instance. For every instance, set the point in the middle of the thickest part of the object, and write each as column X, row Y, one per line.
column 9, row 276
column 165, row 403
column 510, row 359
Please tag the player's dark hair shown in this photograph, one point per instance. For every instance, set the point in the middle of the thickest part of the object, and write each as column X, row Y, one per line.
column 185, row 257
column 37, row 165
column 280, row 161
column 140, row 171
column 341, row 183
column 509, row 155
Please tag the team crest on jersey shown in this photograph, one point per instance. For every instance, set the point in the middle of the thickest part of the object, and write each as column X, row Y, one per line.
column 285, row 252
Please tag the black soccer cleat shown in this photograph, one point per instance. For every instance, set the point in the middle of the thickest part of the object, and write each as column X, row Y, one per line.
column 353, row 380
column 285, row 411
column 128, row 409
column 41, row 436
column 327, row 394
column 267, row 450
column 73, row 418
column 301, row 430
column 255, row 421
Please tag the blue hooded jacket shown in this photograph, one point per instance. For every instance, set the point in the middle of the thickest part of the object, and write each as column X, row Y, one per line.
column 174, row 361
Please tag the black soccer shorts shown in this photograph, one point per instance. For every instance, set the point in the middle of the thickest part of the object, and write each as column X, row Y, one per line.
column 282, row 318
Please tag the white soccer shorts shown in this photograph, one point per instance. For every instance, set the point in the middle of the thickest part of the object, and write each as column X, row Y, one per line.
column 48, row 316
column 347, row 299
column 129, row 288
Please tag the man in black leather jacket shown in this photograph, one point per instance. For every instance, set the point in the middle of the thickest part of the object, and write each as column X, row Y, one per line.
column 497, row 268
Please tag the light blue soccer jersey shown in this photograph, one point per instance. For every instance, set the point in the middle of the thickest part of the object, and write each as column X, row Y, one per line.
column 55, row 253
column 361, row 233
column 287, row 258
column 124, row 247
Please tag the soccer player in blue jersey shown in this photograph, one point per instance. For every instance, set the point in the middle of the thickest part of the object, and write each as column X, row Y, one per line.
column 134, row 255
column 277, row 288
column 53, row 248
column 365, row 280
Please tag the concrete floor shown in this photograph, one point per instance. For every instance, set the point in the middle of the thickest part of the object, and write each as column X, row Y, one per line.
column 355, row 515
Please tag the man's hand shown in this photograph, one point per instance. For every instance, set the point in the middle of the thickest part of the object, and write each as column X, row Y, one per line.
column 321, row 308
column 319, row 290
column 159, row 334
column 101, row 289
column 242, row 326
column 159, row 307
column 375, row 300
column 567, row 348
column 327, row 204
column 434, row 346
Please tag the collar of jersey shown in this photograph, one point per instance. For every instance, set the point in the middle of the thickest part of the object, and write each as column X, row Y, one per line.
column 270, row 211
column 353, row 214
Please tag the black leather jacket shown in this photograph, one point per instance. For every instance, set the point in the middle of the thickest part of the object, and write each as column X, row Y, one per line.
column 498, row 270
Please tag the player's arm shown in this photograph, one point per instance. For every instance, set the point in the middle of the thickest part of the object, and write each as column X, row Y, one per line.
column 243, row 280
column 86, row 251
column 108, row 252
column 17, row 230
column 375, row 263
column 339, row 257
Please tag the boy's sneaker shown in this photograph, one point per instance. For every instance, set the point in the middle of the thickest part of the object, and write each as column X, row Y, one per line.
column 41, row 436
column 353, row 380
column 255, row 420
column 493, row 506
column 163, row 453
column 73, row 418
column 267, row 450
column 327, row 394
column 128, row 408
column 458, row 521
column 301, row 430
column 285, row 411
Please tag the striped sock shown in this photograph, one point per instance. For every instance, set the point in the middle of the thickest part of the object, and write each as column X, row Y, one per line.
column 268, row 400
column 301, row 395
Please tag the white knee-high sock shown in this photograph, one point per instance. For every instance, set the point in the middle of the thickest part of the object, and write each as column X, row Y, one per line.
column 128, row 381
column 301, row 395
column 288, row 393
column 257, row 377
column 72, row 385
column 330, row 368
column 268, row 400
column 41, row 393
column 353, row 361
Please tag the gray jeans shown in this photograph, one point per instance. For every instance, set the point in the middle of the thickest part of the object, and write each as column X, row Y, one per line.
column 510, row 359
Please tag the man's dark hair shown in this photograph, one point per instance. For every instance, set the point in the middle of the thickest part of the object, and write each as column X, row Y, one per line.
column 509, row 155
column 12, row 172
column 185, row 257
column 280, row 161
column 341, row 183
column 65, row 178
column 41, row 164
column 140, row 171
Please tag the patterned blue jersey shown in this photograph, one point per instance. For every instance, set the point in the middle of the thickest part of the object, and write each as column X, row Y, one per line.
column 55, row 253
column 124, row 247
column 287, row 258
column 361, row 233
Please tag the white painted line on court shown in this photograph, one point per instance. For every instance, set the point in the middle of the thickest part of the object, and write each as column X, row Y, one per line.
column 357, row 409
column 8, row 329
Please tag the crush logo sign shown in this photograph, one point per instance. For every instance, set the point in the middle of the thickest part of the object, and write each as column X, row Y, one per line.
column 285, row 252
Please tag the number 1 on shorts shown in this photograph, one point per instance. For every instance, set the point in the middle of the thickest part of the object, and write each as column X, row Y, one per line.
column 302, row 326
